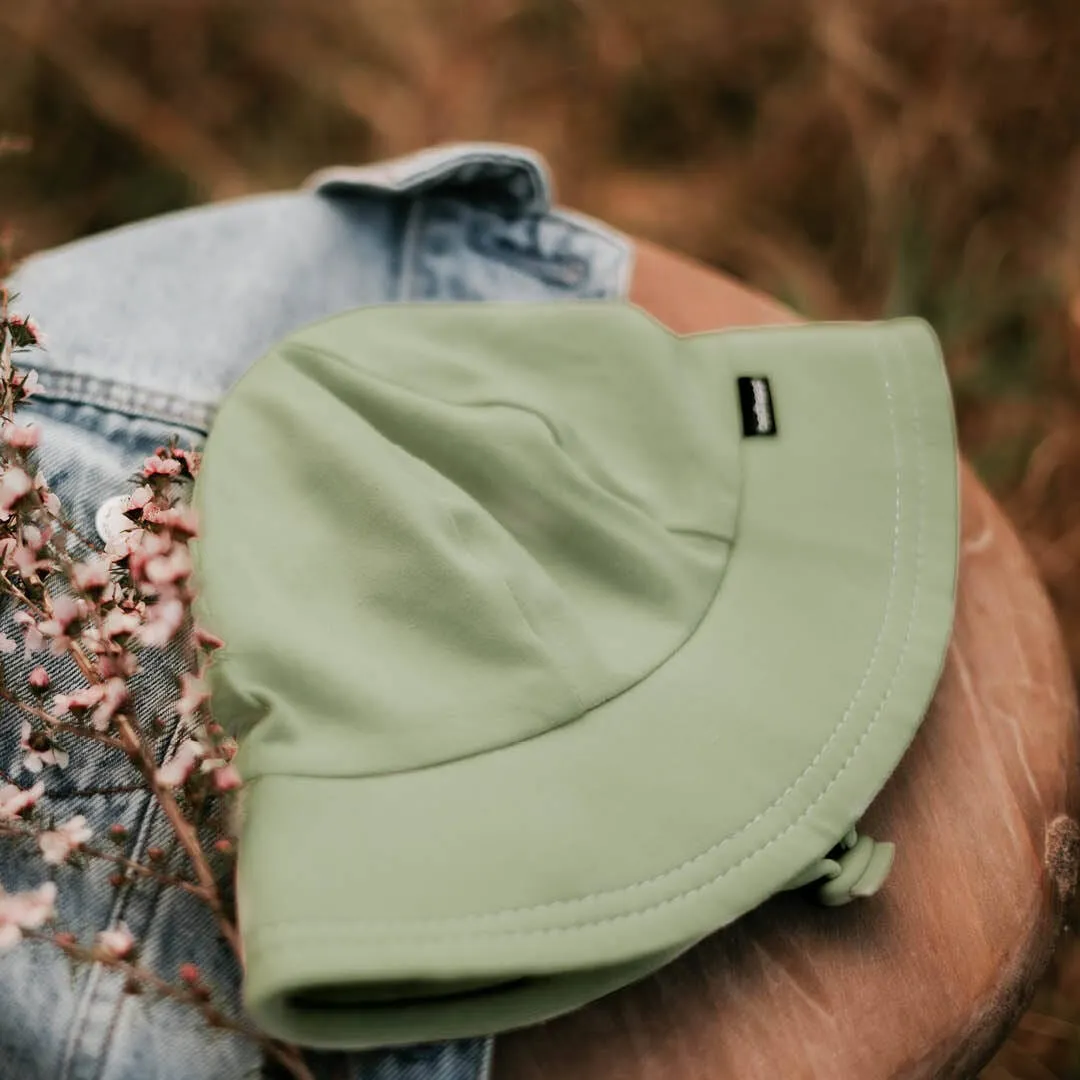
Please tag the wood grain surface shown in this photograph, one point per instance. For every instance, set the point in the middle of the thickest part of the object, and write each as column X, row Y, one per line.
column 924, row 979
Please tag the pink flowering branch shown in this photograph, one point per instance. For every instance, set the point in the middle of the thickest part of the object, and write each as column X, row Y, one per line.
column 185, row 832
column 101, row 607
column 23, row 830
column 59, row 725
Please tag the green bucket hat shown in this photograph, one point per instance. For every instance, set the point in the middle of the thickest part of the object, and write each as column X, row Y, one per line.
column 556, row 641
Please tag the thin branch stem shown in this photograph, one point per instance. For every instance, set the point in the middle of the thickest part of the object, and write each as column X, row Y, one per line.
column 7, row 586
column 146, row 871
column 60, row 725
column 185, row 832
column 25, row 831
column 74, row 530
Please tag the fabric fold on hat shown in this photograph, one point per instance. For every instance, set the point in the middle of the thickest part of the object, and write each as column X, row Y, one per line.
column 556, row 641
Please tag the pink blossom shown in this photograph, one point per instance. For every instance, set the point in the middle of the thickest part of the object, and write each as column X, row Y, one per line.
column 27, row 330
column 21, row 437
column 117, row 622
column 163, row 620
column 166, row 569
column 60, row 645
column 65, row 610
column 34, row 538
column 14, row 799
column 114, row 696
column 92, row 574
column 25, row 555
column 208, row 640
column 25, row 911
column 6, row 644
column 39, row 678
column 112, row 593
column 181, row 519
column 80, row 700
column 121, row 665
column 57, row 844
column 117, row 942
column 175, row 771
column 26, row 561
column 227, row 778
column 123, row 544
column 142, row 547
column 14, row 485
column 138, row 499
column 152, row 513
column 34, row 638
column 24, row 558
column 49, row 498
column 191, row 458
column 152, row 544
column 194, row 692
column 105, row 698
column 29, row 384
column 40, row 750
column 157, row 466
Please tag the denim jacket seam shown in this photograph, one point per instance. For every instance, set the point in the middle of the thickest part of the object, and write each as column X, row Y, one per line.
column 411, row 244
column 75, row 388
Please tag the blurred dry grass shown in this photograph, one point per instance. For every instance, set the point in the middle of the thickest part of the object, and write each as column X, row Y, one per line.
column 856, row 159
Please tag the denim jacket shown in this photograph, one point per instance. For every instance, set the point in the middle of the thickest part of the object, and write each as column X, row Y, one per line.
column 145, row 328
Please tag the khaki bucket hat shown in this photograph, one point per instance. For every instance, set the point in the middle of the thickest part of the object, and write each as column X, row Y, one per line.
column 556, row 641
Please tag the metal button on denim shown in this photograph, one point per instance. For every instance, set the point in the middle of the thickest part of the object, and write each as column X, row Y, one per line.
column 109, row 520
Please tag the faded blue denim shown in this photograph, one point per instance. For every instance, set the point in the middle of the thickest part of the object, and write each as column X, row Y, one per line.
column 146, row 328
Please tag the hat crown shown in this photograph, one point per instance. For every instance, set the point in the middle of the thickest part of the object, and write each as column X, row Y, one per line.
column 431, row 531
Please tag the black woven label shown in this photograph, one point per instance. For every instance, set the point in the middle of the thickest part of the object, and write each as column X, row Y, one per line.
column 755, row 400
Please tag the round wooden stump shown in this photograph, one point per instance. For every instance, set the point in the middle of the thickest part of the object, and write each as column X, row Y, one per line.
column 924, row 979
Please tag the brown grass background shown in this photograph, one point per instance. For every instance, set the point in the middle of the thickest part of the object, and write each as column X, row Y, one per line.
column 855, row 158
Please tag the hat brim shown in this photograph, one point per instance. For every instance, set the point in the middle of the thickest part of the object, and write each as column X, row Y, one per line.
column 508, row 887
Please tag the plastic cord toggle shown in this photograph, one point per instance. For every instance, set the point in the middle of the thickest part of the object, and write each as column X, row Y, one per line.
column 857, row 867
